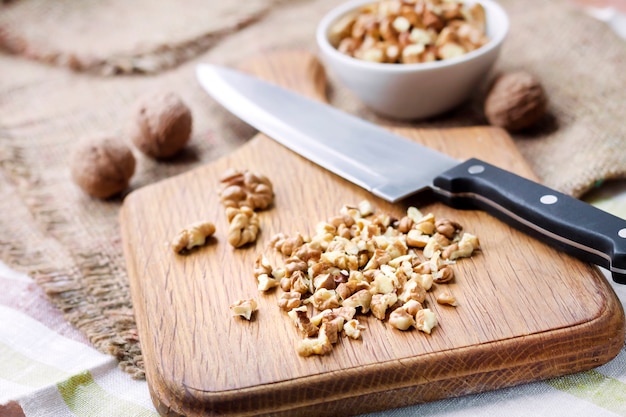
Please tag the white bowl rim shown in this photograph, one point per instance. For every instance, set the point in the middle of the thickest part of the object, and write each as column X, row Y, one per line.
column 334, row 14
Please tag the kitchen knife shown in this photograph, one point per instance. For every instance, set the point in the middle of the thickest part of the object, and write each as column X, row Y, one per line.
column 393, row 167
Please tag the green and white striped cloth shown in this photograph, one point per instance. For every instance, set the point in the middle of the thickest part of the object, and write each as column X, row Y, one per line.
column 47, row 370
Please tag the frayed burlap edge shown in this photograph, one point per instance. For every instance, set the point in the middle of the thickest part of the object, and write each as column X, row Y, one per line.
column 148, row 61
column 70, row 276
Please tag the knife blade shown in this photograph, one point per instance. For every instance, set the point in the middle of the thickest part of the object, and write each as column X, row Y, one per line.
column 360, row 152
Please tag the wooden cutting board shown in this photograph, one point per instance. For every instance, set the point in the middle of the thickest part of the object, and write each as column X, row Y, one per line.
column 526, row 312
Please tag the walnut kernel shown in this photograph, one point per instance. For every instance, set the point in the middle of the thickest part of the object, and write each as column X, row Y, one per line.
column 425, row 320
column 193, row 235
column 243, row 308
column 447, row 298
column 243, row 226
column 301, row 319
column 245, row 188
column 353, row 328
column 317, row 346
column 401, row 319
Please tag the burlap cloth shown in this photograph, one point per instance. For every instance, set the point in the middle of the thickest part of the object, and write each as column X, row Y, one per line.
column 70, row 68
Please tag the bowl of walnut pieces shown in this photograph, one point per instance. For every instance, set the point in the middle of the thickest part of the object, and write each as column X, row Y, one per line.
column 412, row 59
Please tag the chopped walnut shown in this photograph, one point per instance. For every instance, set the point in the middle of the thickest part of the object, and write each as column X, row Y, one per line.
column 413, row 290
column 412, row 307
column 401, row 319
column 422, row 268
column 262, row 265
column 289, row 300
column 416, row 239
column 300, row 282
column 324, row 299
column 444, row 274
column 294, row 264
column 448, row 228
column 406, row 316
column 346, row 312
column 426, row 281
column 264, row 274
column 365, row 208
column 325, row 281
column 286, row 245
column 243, row 308
column 300, row 317
column 323, row 315
column 405, row 224
column 285, row 284
column 193, row 235
column 332, row 328
column 462, row 249
column 447, row 298
column 385, row 281
column 425, row 320
column 244, row 188
column 352, row 328
column 317, row 346
column 381, row 302
column 266, row 282
column 426, row 225
column 361, row 299
column 431, row 247
column 414, row 214
column 343, row 290
column 243, row 226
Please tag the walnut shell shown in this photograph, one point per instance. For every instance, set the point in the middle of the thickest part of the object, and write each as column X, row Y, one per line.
column 102, row 166
column 516, row 101
column 161, row 125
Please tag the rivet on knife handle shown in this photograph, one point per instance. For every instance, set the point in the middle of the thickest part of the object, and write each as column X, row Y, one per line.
column 571, row 225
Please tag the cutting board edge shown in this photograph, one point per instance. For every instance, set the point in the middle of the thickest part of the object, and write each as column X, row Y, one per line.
column 183, row 401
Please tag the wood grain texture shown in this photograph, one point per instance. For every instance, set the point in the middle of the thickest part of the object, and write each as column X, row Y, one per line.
column 526, row 312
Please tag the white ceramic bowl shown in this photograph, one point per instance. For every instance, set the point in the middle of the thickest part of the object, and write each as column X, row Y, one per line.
column 414, row 91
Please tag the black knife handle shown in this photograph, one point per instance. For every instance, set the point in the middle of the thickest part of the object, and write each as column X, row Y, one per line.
column 571, row 225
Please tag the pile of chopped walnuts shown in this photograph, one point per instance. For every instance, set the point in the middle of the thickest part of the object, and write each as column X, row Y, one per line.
column 358, row 262
column 410, row 31
column 362, row 262
column 242, row 192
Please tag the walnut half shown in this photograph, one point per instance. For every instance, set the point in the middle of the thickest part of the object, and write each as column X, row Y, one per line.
column 243, row 226
column 193, row 235
column 245, row 188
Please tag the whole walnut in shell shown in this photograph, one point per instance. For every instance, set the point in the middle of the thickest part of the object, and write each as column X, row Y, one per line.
column 102, row 166
column 160, row 125
column 516, row 101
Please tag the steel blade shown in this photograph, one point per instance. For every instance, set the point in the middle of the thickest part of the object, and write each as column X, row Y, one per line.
column 388, row 165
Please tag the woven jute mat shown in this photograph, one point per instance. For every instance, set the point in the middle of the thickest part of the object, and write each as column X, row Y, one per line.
column 70, row 69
